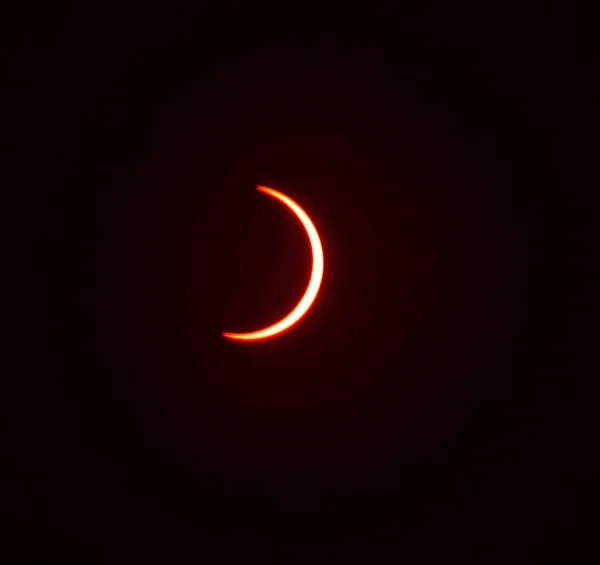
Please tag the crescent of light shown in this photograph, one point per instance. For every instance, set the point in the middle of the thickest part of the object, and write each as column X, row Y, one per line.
column 315, row 278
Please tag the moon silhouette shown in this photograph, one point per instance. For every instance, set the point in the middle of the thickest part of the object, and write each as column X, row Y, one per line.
column 315, row 278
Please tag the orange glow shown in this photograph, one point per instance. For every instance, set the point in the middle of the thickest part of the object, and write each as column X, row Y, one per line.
column 315, row 279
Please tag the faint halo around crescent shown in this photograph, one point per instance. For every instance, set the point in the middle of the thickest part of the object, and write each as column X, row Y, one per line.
column 315, row 278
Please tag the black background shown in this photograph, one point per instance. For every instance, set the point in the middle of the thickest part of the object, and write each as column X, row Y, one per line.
column 414, row 412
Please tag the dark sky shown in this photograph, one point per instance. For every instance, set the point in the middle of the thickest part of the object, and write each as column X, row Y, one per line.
column 412, row 412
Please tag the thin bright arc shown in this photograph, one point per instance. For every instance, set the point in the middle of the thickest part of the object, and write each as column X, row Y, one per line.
column 315, row 279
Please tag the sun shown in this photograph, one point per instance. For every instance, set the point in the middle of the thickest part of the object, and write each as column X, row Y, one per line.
column 313, row 285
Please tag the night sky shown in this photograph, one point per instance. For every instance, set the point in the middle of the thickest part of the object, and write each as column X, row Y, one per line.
column 416, row 413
